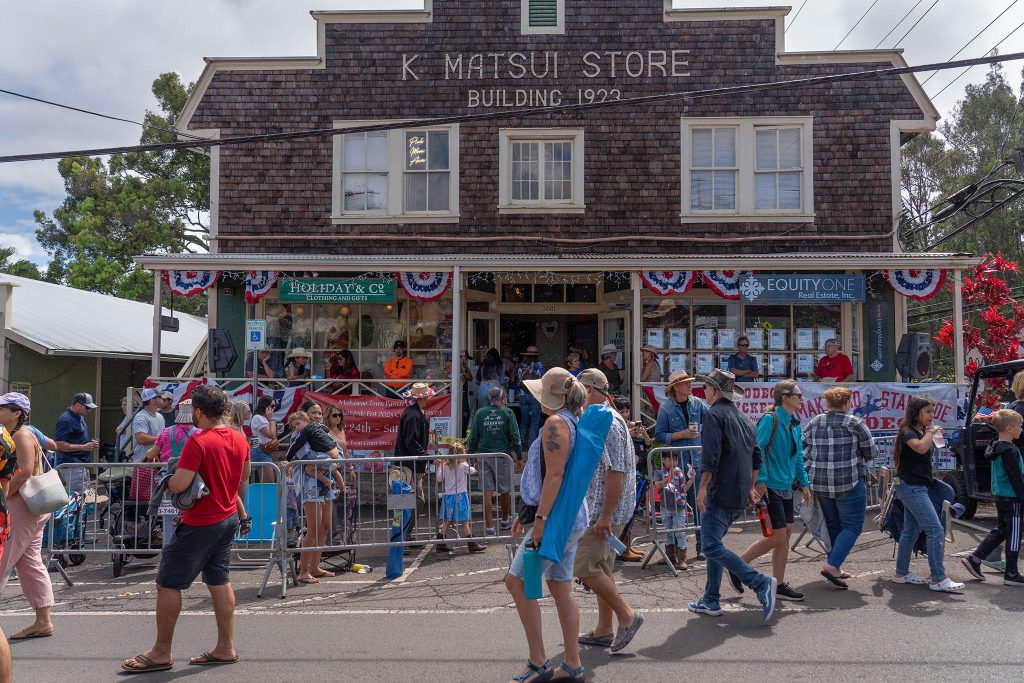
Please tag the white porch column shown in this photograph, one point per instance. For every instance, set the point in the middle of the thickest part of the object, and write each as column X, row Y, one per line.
column 958, row 327
column 457, row 351
column 154, row 365
column 638, row 339
column 6, row 314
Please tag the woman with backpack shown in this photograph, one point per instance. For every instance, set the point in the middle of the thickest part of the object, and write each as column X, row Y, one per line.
column 169, row 444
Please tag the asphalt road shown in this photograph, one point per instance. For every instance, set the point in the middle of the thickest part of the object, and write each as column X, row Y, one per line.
column 450, row 619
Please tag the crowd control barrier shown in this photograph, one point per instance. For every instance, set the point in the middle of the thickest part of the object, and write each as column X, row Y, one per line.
column 678, row 518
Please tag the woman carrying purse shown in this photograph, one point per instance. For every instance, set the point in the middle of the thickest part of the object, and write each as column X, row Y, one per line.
column 22, row 549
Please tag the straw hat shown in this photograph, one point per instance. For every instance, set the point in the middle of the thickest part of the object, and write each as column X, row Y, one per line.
column 419, row 390
column 725, row 383
column 530, row 351
column 648, row 347
column 551, row 389
column 299, row 352
column 677, row 377
column 609, row 350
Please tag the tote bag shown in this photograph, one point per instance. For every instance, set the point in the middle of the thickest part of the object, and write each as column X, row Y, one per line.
column 44, row 493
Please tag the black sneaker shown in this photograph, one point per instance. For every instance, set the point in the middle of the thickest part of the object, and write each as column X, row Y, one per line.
column 784, row 592
column 973, row 567
column 736, row 583
column 1013, row 580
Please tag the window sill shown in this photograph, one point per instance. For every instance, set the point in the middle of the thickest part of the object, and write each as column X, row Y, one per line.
column 543, row 208
column 385, row 220
column 758, row 218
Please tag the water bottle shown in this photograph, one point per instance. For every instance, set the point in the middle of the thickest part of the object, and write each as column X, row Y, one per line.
column 362, row 568
column 532, row 584
column 615, row 544
column 762, row 515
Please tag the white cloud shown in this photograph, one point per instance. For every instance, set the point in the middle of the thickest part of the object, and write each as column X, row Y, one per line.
column 25, row 246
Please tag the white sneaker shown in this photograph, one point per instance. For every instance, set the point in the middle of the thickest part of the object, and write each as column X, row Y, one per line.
column 947, row 585
column 911, row 578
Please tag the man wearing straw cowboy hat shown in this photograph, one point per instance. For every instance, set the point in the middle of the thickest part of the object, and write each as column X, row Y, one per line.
column 414, row 434
column 729, row 467
column 678, row 425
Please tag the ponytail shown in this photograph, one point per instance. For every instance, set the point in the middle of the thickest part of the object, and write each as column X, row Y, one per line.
column 576, row 398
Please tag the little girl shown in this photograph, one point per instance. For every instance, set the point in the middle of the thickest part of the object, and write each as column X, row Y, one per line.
column 673, row 486
column 454, row 474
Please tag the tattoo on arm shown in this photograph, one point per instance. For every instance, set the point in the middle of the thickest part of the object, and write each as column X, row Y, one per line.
column 551, row 445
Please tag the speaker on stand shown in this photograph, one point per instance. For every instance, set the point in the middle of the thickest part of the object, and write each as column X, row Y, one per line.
column 914, row 356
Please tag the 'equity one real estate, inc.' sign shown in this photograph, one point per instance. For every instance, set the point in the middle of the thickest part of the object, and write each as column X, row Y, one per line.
column 796, row 288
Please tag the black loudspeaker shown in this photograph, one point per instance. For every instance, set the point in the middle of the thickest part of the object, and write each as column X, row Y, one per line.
column 221, row 354
column 914, row 356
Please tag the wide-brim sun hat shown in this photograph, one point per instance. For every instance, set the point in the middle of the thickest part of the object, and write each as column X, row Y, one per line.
column 648, row 347
column 723, row 382
column 552, row 389
column 419, row 390
column 608, row 350
column 299, row 352
column 530, row 351
column 677, row 377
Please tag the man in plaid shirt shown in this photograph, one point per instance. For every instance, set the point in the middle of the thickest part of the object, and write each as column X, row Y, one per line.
column 836, row 447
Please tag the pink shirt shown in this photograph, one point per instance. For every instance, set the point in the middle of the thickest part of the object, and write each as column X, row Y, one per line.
column 164, row 440
column 457, row 480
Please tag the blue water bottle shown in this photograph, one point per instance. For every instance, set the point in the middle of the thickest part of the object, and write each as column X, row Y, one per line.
column 532, row 583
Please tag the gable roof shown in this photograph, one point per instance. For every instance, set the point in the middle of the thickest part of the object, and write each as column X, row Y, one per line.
column 63, row 321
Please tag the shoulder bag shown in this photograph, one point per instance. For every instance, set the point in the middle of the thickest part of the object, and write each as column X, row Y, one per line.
column 43, row 493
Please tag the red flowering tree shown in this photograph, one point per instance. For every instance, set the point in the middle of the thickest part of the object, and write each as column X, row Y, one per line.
column 994, row 327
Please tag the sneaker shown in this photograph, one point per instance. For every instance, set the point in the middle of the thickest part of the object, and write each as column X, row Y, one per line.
column 475, row 547
column 712, row 609
column 973, row 567
column 736, row 583
column 947, row 585
column 489, row 531
column 767, row 597
column 505, row 524
column 1013, row 580
column 784, row 592
column 624, row 636
column 910, row 578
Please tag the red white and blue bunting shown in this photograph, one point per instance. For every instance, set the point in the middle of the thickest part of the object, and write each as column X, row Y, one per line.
column 666, row 282
column 190, row 282
column 425, row 286
column 724, row 283
column 258, row 283
column 916, row 284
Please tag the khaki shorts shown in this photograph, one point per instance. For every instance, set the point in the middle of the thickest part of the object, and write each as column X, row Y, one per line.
column 593, row 555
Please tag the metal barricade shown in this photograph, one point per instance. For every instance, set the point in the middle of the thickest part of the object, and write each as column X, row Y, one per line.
column 670, row 522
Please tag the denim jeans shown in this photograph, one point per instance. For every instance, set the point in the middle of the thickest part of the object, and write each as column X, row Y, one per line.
column 715, row 524
column 844, row 517
column 919, row 515
column 693, row 458
column 529, row 422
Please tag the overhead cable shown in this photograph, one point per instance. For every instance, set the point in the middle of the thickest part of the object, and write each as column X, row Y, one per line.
column 990, row 51
column 898, row 23
column 976, row 35
column 795, row 17
column 919, row 20
column 856, row 25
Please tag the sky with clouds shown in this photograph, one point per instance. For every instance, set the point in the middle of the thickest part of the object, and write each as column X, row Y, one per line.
column 104, row 57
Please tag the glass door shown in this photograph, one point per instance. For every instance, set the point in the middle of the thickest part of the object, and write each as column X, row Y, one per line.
column 614, row 329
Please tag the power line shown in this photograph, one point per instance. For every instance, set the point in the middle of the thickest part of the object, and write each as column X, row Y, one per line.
column 976, row 35
column 990, row 51
column 856, row 25
column 795, row 17
column 919, row 20
column 899, row 23
column 524, row 113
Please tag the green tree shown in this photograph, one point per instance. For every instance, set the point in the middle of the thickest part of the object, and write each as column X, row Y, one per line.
column 19, row 267
column 133, row 204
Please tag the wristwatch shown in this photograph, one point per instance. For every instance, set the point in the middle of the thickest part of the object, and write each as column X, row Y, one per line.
column 540, row 516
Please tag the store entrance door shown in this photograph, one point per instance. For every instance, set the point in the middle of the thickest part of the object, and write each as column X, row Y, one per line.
column 553, row 335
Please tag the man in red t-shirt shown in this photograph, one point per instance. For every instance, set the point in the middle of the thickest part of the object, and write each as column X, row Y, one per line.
column 202, row 541
column 834, row 365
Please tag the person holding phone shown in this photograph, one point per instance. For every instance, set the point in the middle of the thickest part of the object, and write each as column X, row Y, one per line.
column 265, row 430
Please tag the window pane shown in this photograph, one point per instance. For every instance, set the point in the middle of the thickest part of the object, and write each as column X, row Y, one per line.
column 767, row 152
column 355, row 191
column 377, row 191
column 415, row 191
column 725, row 147
column 437, row 199
column 725, row 189
column 416, row 151
column 355, row 152
column 701, row 155
column 789, row 148
column 437, row 149
column 764, row 191
column 377, row 151
column 789, row 190
column 517, row 152
column 700, row 191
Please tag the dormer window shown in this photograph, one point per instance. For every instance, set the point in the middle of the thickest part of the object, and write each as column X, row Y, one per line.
column 543, row 17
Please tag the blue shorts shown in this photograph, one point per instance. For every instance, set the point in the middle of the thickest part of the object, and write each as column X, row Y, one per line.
column 257, row 454
column 456, row 507
column 549, row 570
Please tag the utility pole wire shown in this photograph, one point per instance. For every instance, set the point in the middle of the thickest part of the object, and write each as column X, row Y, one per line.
column 930, row 8
column 856, row 25
column 899, row 23
column 976, row 35
column 795, row 17
column 991, row 50
column 525, row 113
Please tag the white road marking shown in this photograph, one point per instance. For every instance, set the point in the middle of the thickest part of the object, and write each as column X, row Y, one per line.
column 412, row 567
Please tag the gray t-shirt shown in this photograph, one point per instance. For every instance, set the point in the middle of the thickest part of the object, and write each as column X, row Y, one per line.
column 147, row 424
column 620, row 457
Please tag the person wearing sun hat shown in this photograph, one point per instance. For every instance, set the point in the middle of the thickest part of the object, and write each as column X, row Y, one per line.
column 611, row 370
column 650, row 370
column 299, row 365
column 529, row 408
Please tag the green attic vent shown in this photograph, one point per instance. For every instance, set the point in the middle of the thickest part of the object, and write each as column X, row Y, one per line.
column 543, row 13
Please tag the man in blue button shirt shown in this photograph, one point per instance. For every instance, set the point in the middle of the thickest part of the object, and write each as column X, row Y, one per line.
column 72, row 438
column 742, row 364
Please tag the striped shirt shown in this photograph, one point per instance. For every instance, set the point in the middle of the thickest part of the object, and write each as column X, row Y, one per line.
column 836, row 446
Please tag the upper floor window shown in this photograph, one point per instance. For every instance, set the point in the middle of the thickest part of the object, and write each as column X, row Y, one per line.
column 747, row 169
column 541, row 171
column 542, row 17
column 405, row 175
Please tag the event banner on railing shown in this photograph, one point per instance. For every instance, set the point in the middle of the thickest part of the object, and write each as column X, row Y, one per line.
column 880, row 404
column 371, row 422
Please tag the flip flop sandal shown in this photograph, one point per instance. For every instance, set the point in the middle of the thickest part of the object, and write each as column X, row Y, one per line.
column 30, row 636
column 834, row 580
column 310, row 581
column 148, row 665
column 207, row 659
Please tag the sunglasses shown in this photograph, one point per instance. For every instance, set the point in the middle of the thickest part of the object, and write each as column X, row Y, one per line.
column 744, row 346
column 797, row 395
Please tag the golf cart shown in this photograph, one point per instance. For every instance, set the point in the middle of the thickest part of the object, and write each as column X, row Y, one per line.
column 972, row 480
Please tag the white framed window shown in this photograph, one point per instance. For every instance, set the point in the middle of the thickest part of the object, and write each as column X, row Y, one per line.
column 540, row 17
column 541, row 170
column 396, row 176
column 747, row 169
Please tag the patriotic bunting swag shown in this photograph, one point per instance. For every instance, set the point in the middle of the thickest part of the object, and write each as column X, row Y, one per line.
column 258, row 283
column 916, row 284
column 425, row 286
column 666, row 282
column 724, row 283
column 190, row 282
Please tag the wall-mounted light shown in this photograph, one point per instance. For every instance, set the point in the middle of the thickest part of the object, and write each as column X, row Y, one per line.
column 389, row 308
column 300, row 310
column 344, row 311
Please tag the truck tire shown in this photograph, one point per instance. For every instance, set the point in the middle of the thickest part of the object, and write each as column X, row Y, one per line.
column 958, row 481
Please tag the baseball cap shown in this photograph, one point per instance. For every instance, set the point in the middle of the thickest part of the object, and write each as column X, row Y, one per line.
column 167, row 394
column 592, row 377
column 147, row 395
column 20, row 401
column 85, row 400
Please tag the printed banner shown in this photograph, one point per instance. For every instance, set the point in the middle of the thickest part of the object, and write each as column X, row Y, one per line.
column 371, row 422
column 181, row 390
column 880, row 404
column 289, row 399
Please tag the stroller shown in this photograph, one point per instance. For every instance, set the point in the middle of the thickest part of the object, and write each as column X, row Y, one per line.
column 132, row 530
column 68, row 531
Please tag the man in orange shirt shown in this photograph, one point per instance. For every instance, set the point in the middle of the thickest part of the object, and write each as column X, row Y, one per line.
column 398, row 367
